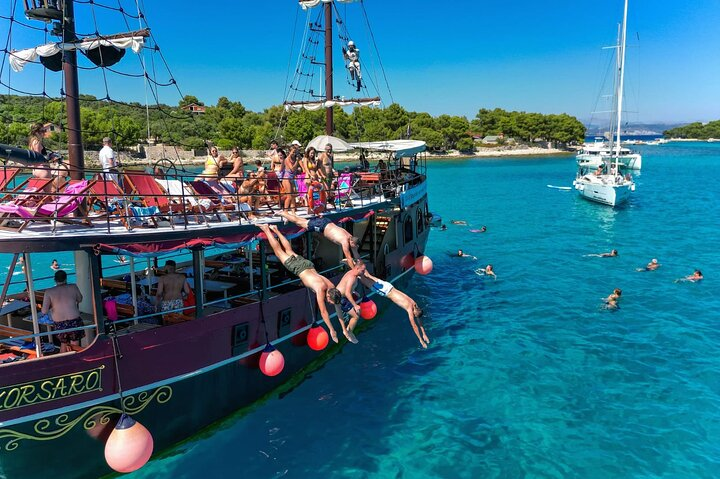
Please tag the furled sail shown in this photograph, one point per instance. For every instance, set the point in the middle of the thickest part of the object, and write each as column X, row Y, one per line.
column 319, row 105
column 102, row 51
column 305, row 4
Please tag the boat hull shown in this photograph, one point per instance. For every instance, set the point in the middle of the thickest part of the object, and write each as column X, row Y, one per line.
column 607, row 194
column 177, row 379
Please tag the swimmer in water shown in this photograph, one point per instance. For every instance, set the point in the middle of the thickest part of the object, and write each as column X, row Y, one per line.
column 459, row 222
column 651, row 266
column 483, row 229
column 611, row 254
column 693, row 278
column 486, row 271
column 55, row 265
column 611, row 302
column 462, row 254
column 443, row 227
column 122, row 259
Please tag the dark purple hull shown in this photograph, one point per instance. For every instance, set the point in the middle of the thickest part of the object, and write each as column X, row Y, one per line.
column 177, row 380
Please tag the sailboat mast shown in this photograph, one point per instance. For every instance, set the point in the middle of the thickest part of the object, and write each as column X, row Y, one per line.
column 328, row 66
column 621, row 81
column 72, row 95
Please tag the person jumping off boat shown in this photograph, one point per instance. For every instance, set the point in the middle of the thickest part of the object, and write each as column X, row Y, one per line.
column 349, row 305
column 352, row 55
column 305, row 270
column 387, row 290
column 331, row 231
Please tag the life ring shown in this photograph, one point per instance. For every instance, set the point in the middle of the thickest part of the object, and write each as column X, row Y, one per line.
column 316, row 198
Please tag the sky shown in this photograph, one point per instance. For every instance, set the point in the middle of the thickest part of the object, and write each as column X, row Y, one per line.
column 451, row 57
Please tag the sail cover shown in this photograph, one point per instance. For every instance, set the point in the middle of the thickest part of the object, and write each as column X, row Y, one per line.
column 305, row 4
column 319, row 105
column 20, row 58
column 401, row 148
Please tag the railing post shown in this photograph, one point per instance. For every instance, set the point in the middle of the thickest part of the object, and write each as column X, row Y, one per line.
column 263, row 278
column 198, row 276
column 33, row 304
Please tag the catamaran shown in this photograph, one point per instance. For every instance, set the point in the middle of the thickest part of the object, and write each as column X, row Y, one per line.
column 141, row 380
column 607, row 184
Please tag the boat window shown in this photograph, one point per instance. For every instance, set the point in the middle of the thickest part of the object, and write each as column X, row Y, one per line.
column 408, row 229
column 420, row 222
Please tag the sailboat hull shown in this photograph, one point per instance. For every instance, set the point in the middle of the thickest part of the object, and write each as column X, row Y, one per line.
column 602, row 192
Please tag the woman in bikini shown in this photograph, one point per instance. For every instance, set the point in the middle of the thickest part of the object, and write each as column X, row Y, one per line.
column 287, row 177
column 238, row 172
column 213, row 163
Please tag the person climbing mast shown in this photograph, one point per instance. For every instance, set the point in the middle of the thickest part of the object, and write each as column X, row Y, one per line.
column 352, row 55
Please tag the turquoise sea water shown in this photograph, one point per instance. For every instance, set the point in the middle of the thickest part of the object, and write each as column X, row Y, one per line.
column 526, row 376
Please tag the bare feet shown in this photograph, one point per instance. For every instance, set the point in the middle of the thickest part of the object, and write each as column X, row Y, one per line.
column 264, row 227
column 274, row 228
column 425, row 336
column 334, row 335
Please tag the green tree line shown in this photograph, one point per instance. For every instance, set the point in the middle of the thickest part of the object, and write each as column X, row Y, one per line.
column 229, row 123
column 695, row 130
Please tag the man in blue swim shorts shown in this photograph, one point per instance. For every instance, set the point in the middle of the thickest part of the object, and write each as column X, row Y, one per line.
column 331, row 231
column 387, row 290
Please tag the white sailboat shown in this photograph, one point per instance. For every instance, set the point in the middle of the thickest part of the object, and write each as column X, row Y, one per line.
column 607, row 185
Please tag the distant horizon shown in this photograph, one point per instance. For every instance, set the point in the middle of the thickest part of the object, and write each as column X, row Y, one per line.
column 538, row 59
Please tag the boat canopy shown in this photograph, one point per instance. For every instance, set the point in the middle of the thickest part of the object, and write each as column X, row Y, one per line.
column 19, row 58
column 401, row 148
column 305, row 4
column 339, row 145
column 319, row 105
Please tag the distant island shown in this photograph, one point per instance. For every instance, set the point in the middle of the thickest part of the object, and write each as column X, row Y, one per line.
column 695, row 130
column 191, row 124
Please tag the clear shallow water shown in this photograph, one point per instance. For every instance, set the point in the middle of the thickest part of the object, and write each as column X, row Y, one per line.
column 526, row 376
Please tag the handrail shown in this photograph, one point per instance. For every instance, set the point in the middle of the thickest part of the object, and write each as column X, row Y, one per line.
column 129, row 203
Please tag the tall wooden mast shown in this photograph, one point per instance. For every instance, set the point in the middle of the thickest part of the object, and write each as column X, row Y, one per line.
column 72, row 95
column 329, row 127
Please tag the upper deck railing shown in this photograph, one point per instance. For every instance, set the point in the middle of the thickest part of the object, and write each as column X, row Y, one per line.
column 128, row 199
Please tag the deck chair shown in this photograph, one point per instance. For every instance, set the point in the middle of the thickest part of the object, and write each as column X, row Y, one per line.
column 181, row 193
column 219, row 201
column 58, row 208
column 152, row 197
column 7, row 175
column 29, row 192
column 344, row 193
column 109, row 198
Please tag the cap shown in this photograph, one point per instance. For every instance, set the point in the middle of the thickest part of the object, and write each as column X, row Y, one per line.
column 296, row 143
column 654, row 261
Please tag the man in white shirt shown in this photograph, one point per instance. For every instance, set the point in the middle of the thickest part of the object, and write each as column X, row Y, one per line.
column 107, row 160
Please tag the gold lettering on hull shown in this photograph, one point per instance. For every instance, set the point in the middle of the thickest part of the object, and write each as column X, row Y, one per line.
column 50, row 389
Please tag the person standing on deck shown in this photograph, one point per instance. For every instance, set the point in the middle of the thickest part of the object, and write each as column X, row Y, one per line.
column 304, row 269
column 170, row 288
column 331, row 231
column 327, row 164
column 61, row 303
column 108, row 160
column 387, row 290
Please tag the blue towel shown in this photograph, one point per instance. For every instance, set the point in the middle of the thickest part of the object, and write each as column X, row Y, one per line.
column 144, row 211
column 45, row 319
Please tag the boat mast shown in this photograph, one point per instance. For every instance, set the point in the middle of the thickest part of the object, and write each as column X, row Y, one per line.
column 621, row 80
column 328, row 67
column 72, row 94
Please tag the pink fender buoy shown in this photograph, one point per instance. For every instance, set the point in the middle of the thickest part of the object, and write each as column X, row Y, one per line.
column 407, row 261
column 272, row 361
column 129, row 446
column 368, row 308
column 317, row 338
column 423, row 265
